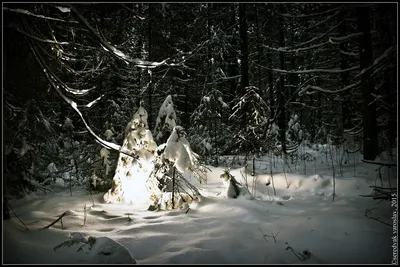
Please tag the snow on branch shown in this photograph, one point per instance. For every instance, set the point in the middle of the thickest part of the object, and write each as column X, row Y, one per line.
column 322, row 21
column 309, row 15
column 354, row 129
column 318, row 37
column 317, row 70
column 313, row 87
column 63, row 9
column 116, row 52
column 68, row 89
column 78, row 91
column 341, row 39
column 73, row 104
column 39, row 39
column 94, row 101
column 381, row 163
column 132, row 11
column 287, row 50
column 388, row 52
column 26, row 12
column 349, row 53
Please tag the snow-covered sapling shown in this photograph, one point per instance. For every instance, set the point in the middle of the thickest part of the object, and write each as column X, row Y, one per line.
column 166, row 121
column 131, row 176
column 173, row 187
column 232, row 186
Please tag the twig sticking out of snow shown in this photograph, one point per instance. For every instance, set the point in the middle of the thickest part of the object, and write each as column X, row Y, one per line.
column 85, row 215
column 272, row 235
column 59, row 218
column 301, row 256
column 17, row 216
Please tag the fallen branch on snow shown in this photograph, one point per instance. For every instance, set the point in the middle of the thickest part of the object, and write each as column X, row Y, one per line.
column 367, row 214
column 382, row 163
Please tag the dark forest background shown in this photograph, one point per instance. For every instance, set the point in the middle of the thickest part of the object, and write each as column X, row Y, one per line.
column 244, row 79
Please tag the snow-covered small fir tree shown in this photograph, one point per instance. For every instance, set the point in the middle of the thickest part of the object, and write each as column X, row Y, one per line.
column 272, row 142
column 294, row 132
column 252, row 113
column 149, row 177
column 209, row 131
column 178, row 151
column 176, row 154
column 131, row 176
column 165, row 121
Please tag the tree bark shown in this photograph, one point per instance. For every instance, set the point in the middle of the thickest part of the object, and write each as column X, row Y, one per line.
column 389, row 76
column 293, row 77
column 344, row 64
column 271, row 84
column 210, row 71
column 233, row 64
column 281, row 92
column 259, row 49
column 150, row 57
column 370, row 137
column 244, row 65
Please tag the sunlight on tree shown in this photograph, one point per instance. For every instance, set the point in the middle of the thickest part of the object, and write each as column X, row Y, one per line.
column 131, row 176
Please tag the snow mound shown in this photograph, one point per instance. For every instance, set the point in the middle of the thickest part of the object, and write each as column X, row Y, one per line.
column 108, row 251
column 100, row 250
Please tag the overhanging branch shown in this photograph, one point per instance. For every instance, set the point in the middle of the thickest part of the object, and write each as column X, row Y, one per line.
column 116, row 52
column 73, row 104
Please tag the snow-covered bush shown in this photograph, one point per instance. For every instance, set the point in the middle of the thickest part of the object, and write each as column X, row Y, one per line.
column 178, row 151
column 272, row 142
column 209, row 132
column 294, row 132
column 29, row 137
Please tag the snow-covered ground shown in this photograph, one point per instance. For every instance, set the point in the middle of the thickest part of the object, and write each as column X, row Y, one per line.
column 217, row 230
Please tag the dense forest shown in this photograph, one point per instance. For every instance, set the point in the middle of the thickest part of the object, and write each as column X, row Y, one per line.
column 241, row 79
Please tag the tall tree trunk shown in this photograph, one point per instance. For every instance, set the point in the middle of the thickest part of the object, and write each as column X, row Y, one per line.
column 233, row 63
column 210, row 73
column 271, row 84
column 389, row 78
column 186, row 108
column 150, row 58
column 344, row 76
column 293, row 77
column 281, row 92
column 370, row 136
column 318, row 123
column 259, row 48
column 141, row 40
column 311, row 121
column 244, row 65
